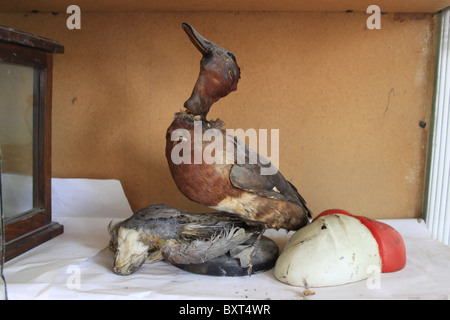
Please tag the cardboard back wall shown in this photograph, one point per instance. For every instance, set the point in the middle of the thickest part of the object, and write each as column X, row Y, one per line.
column 347, row 100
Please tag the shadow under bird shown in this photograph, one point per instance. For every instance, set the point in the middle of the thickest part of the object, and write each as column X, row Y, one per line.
column 161, row 232
column 228, row 185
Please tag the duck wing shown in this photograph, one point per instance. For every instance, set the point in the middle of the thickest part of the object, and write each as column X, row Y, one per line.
column 248, row 176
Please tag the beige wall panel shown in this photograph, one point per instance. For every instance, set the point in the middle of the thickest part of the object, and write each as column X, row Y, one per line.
column 346, row 100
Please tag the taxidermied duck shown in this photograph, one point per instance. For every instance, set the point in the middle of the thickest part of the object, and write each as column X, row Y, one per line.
column 161, row 232
column 228, row 186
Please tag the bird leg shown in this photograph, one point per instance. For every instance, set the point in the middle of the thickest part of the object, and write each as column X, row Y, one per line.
column 246, row 252
column 255, row 247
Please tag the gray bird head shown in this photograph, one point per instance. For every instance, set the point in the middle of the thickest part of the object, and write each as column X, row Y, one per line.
column 131, row 251
column 139, row 238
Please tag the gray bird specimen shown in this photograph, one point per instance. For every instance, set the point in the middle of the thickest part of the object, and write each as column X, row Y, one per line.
column 161, row 232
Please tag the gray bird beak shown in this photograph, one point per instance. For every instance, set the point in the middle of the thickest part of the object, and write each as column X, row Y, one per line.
column 203, row 45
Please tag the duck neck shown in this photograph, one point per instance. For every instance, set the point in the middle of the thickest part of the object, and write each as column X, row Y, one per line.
column 198, row 105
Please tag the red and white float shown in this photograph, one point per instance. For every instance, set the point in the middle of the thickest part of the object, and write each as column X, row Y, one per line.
column 338, row 248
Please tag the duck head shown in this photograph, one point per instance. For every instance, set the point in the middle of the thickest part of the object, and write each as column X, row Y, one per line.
column 219, row 74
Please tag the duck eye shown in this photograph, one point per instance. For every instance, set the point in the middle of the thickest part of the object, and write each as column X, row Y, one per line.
column 180, row 138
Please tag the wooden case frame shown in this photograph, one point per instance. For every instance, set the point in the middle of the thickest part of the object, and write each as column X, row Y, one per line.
column 31, row 228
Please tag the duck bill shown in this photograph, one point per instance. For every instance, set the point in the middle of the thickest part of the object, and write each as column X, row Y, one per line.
column 203, row 45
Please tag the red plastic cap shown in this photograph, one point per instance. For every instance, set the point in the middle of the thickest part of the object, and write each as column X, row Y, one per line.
column 390, row 243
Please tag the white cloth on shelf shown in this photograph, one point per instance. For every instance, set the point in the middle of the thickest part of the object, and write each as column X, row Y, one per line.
column 78, row 264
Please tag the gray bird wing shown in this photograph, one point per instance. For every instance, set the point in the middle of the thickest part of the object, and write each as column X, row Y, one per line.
column 247, row 176
column 156, row 218
column 202, row 250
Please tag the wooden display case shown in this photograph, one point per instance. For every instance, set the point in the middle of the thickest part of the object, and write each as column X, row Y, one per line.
column 25, row 137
